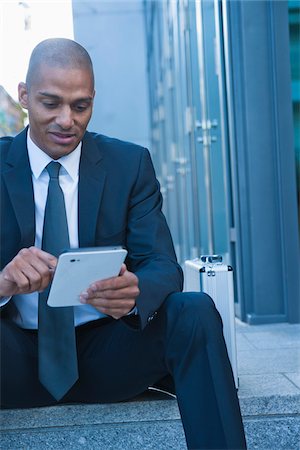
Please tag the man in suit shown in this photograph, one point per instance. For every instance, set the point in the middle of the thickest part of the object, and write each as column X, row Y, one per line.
column 131, row 330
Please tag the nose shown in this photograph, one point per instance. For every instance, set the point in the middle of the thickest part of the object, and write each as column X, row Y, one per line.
column 65, row 118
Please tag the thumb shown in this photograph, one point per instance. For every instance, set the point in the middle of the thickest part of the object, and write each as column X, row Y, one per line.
column 123, row 269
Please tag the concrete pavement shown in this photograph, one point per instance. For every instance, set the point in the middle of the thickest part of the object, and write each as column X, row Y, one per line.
column 269, row 392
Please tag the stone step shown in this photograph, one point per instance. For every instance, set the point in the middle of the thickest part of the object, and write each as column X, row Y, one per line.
column 146, row 423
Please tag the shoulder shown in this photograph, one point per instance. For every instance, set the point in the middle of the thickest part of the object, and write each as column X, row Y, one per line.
column 115, row 145
column 122, row 155
column 16, row 142
column 5, row 143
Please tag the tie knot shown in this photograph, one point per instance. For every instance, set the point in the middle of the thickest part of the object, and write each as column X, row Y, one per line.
column 53, row 169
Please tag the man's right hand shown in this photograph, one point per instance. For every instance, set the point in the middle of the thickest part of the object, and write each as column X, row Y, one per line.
column 31, row 270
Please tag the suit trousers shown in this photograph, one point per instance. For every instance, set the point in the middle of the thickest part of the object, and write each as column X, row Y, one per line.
column 117, row 362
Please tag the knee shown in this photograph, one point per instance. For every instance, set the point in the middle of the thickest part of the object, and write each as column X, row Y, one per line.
column 191, row 318
column 197, row 305
column 193, row 315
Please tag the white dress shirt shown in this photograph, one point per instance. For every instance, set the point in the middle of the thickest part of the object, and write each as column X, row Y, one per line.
column 27, row 304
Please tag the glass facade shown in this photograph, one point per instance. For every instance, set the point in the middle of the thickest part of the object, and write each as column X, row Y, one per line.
column 221, row 121
column 188, row 123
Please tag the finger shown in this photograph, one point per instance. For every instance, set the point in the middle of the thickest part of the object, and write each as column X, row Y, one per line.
column 123, row 269
column 31, row 269
column 28, row 273
column 12, row 283
column 19, row 281
column 28, row 279
column 111, row 294
column 47, row 258
column 109, row 305
column 131, row 291
column 92, row 296
column 36, row 258
column 116, row 311
column 115, row 283
column 112, row 303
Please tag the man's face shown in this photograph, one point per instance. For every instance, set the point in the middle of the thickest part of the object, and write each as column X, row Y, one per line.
column 59, row 103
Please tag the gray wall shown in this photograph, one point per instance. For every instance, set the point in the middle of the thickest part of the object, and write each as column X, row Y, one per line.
column 113, row 33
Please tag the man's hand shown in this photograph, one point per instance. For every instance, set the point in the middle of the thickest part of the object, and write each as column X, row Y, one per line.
column 114, row 296
column 31, row 270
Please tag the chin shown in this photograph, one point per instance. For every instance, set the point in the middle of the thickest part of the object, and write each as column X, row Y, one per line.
column 60, row 152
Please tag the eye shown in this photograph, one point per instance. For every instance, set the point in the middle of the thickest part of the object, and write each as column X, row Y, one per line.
column 50, row 105
column 80, row 107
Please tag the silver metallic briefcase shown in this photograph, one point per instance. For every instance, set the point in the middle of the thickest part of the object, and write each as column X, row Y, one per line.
column 209, row 274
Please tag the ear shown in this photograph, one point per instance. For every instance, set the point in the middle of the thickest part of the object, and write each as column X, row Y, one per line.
column 23, row 95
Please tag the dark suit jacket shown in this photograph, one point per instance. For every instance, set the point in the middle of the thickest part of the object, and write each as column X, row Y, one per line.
column 119, row 204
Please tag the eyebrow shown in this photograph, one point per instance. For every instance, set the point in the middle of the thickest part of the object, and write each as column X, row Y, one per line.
column 57, row 97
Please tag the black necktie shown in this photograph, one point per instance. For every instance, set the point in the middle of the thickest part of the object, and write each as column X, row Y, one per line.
column 57, row 345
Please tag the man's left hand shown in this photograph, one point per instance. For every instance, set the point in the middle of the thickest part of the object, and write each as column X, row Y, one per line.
column 114, row 296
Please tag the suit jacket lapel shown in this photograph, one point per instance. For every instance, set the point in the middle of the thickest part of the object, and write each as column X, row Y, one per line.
column 17, row 177
column 91, row 184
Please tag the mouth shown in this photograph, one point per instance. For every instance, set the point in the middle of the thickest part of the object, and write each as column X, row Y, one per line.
column 63, row 138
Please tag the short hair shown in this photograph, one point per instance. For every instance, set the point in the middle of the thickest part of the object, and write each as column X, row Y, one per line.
column 58, row 52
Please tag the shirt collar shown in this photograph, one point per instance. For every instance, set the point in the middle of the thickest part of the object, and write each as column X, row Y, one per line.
column 39, row 159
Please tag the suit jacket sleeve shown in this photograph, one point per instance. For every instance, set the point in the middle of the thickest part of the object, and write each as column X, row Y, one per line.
column 150, row 247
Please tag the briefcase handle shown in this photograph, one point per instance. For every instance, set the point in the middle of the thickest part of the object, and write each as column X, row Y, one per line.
column 211, row 259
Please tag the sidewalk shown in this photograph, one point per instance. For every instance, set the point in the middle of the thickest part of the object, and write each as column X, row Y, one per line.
column 269, row 384
column 269, row 392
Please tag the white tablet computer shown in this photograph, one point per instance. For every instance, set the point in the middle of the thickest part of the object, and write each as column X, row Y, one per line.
column 78, row 268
